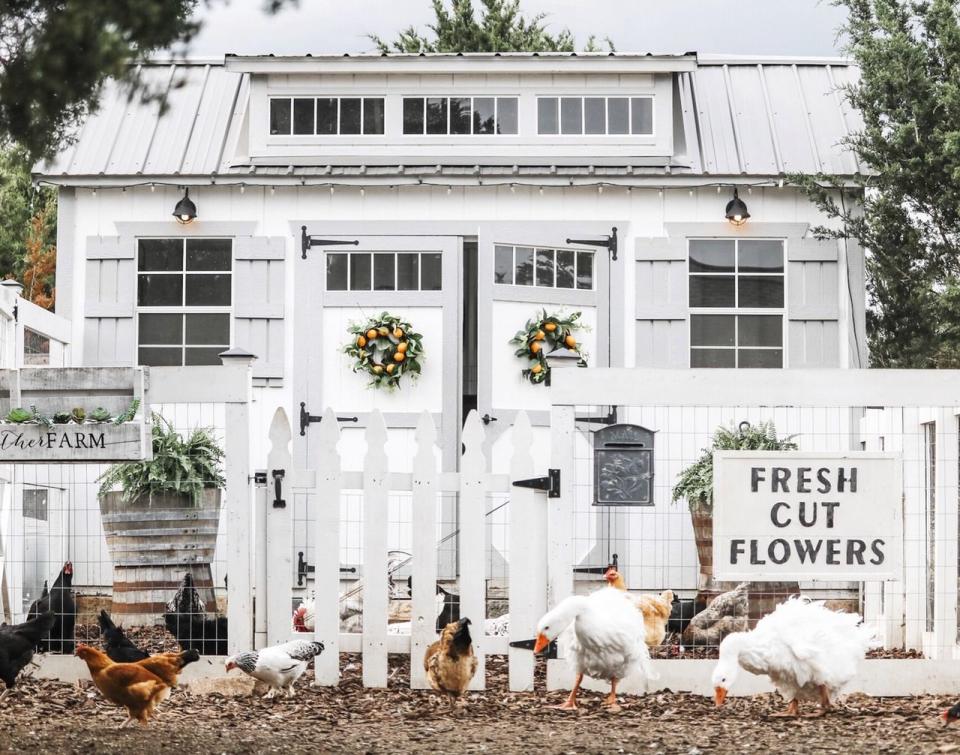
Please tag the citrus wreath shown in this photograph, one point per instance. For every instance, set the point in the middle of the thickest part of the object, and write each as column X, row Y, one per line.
column 543, row 335
column 386, row 348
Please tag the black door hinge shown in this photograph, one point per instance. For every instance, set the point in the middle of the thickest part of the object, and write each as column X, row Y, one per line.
column 610, row 242
column 307, row 241
column 549, row 652
column 549, row 484
column 487, row 419
column 597, row 569
column 306, row 419
column 304, row 568
column 278, row 502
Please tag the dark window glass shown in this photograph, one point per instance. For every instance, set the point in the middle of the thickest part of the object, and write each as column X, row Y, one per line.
column 160, row 254
column 209, row 254
column 437, row 115
column 712, row 330
column 571, row 115
column 618, row 115
column 711, row 256
column 208, row 291
column 162, row 357
column 759, row 256
column 547, row 121
column 595, row 115
column 523, row 266
column 642, row 111
column 545, row 267
column 161, row 329
column 503, row 264
column 484, row 117
column 327, row 116
column 760, row 330
column 408, row 272
column 413, row 115
column 712, row 291
column 507, row 115
column 349, row 115
column 713, row 358
column 585, row 270
column 195, row 356
column 359, row 272
column 280, row 116
column 431, row 274
column 204, row 328
column 384, row 272
column 303, row 116
column 760, row 291
column 337, row 272
column 565, row 268
column 760, row 358
column 159, row 290
column 459, row 115
column 373, row 115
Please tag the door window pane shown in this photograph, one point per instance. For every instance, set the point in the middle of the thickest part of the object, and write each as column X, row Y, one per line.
column 460, row 115
column 303, row 116
column 431, row 277
column 523, row 266
column 209, row 254
column 336, row 272
column 585, row 270
column 207, row 328
column 571, row 115
column 760, row 358
column 372, row 115
column 712, row 291
column 484, row 115
column 760, row 330
column 359, row 272
column 162, row 357
column 503, row 264
column 413, row 115
column 711, row 256
column 159, row 290
column 349, row 115
column 595, row 115
column 161, row 329
column 507, row 115
column 547, row 121
column 713, row 330
column 327, row 116
column 208, row 291
column 383, row 272
column 160, row 254
column 713, row 358
column 761, row 291
column 436, row 115
column 201, row 356
column 760, row 256
column 408, row 272
column 641, row 109
column 280, row 116
column 618, row 115
column 566, row 268
column 545, row 267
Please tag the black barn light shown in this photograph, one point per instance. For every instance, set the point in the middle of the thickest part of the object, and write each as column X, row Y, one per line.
column 186, row 211
column 737, row 210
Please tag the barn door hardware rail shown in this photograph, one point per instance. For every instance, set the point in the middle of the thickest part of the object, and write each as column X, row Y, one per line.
column 278, row 502
column 549, row 652
column 307, row 241
column 304, row 568
column 597, row 569
column 549, row 484
column 306, row 419
column 610, row 242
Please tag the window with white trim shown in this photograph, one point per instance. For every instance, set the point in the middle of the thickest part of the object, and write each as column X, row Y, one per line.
column 543, row 268
column 595, row 116
column 184, row 293
column 384, row 271
column 736, row 290
column 459, row 115
column 326, row 116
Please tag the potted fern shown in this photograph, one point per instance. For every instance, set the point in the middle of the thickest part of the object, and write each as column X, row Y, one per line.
column 695, row 483
column 160, row 518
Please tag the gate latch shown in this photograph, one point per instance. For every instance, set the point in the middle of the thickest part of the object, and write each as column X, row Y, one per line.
column 549, row 484
column 278, row 502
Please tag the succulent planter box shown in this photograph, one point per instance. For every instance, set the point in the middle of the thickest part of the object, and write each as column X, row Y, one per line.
column 89, row 442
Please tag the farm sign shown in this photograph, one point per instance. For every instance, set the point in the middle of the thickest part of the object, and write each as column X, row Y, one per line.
column 788, row 515
column 69, row 442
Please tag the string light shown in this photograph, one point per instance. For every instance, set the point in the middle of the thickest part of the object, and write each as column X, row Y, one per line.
column 242, row 187
column 331, row 191
column 363, row 192
column 541, row 191
column 273, row 190
column 153, row 188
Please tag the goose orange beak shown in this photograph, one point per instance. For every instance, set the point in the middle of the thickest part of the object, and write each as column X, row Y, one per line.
column 719, row 695
column 541, row 643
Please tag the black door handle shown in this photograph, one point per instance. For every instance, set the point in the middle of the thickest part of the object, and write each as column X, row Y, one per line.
column 487, row 419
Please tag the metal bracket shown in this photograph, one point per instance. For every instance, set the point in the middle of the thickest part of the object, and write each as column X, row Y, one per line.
column 487, row 419
column 306, row 419
column 610, row 242
column 549, row 652
column 597, row 569
column 549, row 484
column 278, row 502
column 609, row 419
column 260, row 477
column 303, row 569
column 307, row 241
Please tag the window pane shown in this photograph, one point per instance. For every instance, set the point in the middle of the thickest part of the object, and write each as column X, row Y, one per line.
column 431, row 277
column 159, row 290
column 507, row 115
column 711, row 291
column 208, row 329
column 642, row 111
column 761, row 291
column 373, row 115
column 711, row 256
column 459, row 115
column 760, row 330
column 160, row 254
column 165, row 357
column 595, row 115
column 197, row 356
column 712, row 330
column 760, row 358
column 349, row 115
column 161, row 329
column 566, row 261
column 303, row 116
column 547, row 115
column 408, row 272
column 208, row 291
column 327, row 116
column 209, row 254
column 436, row 115
column 713, row 358
column 618, row 115
column 571, row 115
column 523, row 267
column 383, row 272
column 503, row 264
column 413, row 115
column 545, row 267
column 585, row 270
column 484, row 117
column 359, row 272
column 337, row 272
column 758, row 256
column 279, row 117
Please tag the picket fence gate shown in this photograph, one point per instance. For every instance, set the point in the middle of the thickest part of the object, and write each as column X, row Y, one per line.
column 472, row 485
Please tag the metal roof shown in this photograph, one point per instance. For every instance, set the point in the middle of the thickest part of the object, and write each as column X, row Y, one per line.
column 733, row 117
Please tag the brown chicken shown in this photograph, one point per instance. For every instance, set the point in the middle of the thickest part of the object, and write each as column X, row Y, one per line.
column 655, row 608
column 128, row 685
column 449, row 662
column 168, row 666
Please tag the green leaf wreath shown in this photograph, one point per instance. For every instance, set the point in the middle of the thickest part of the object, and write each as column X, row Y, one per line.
column 386, row 348
column 545, row 334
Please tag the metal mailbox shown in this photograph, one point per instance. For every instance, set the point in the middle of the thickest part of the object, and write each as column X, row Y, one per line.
column 623, row 466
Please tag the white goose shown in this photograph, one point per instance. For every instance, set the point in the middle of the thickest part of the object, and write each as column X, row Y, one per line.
column 607, row 641
column 808, row 651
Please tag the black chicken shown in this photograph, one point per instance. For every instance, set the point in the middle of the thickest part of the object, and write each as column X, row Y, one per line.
column 682, row 612
column 17, row 642
column 186, row 619
column 116, row 644
column 60, row 601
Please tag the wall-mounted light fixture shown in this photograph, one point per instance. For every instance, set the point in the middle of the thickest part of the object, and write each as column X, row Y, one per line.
column 737, row 210
column 186, row 211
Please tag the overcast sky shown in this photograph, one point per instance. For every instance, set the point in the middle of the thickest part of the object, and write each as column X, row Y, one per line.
column 747, row 27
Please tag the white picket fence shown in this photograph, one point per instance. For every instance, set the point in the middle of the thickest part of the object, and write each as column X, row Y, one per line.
column 473, row 485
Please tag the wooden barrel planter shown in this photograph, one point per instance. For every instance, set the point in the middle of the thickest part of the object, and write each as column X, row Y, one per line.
column 153, row 541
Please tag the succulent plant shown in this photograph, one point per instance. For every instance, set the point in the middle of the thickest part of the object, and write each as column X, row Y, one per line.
column 61, row 418
column 78, row 415
column 18, row 416
column 129, row 414
column 99, row 415
column 41, row 419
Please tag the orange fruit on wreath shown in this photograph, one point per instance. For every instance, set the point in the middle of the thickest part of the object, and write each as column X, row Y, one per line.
column 361, row 342
column 399, row 356
column 535, row 347
column 398, row 333
column 391, row 368
column 536, row 369
column 539, row 335
column 371, row 334
column 571, row 342
column 550, row 327
column 383, row 330
column 377, row 369
column 402, row 347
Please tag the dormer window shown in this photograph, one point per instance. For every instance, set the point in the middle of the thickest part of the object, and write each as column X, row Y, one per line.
column 594, row 116
column 459, row 115
column 326, row 116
